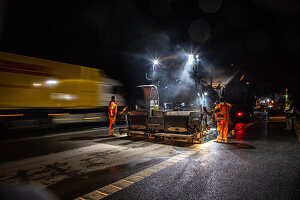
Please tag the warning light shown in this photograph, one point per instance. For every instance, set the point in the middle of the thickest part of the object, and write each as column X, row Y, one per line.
column 239, row 114
column 286, row 90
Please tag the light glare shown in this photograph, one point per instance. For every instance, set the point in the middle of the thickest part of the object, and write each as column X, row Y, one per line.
column 37, row 84
column 191, row 59
column 51, row 82
column 155, row 62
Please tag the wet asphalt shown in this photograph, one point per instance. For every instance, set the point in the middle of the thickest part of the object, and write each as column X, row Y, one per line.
column 261, row 162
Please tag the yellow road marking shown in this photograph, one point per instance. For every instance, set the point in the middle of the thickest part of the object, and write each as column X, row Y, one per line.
column 127, row 181
column 170, row 162
column 147, row 172
column 164, row 165
column 102, row 193
column 116, row 187
column 138, row 177
column 154, row 168
column 250, row 124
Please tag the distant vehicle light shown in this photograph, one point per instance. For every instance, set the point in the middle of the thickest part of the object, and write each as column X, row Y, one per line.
column 205, row 93
column 51, row 82
column 239, row 114
column 270, row 106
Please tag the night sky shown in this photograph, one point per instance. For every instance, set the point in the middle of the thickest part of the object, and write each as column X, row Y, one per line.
column 261, row 37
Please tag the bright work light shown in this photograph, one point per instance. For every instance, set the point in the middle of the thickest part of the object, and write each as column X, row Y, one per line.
column 155, row 62
column 191, row 59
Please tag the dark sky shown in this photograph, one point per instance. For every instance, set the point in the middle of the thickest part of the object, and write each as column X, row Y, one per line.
column 261, row 37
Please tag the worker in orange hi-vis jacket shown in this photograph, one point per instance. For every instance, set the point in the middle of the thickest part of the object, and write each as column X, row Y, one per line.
column 222, row 119
column 112, row 114
column 125, row 113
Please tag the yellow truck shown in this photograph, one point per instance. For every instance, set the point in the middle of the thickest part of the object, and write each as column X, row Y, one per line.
column 36, row 91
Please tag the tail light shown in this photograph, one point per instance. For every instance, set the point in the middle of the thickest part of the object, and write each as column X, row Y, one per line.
column 239, row 114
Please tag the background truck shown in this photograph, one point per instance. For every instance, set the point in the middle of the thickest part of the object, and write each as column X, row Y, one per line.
column 37, row 93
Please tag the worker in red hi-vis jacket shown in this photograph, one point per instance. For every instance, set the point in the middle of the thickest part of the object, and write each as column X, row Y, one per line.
column 112, row 114
column 222, row 118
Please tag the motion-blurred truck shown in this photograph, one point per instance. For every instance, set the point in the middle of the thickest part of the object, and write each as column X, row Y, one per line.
column 39, row 93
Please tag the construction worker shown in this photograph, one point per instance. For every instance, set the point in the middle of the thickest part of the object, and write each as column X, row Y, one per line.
column 289, row 114
column 125, row 113
column 112, row 114
column 222, row 118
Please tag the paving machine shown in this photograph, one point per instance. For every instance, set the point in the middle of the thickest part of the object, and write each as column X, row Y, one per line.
column 188, row 93
column 152, row 121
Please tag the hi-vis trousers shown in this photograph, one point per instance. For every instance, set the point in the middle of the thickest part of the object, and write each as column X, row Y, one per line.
column 112, row 121
column 223, row 130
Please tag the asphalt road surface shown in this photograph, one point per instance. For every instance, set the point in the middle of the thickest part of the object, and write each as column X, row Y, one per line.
column 262, row 162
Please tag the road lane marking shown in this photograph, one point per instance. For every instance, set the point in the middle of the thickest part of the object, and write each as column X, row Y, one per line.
column 138, row 177
column 147, row 172
column 101, row 193
column 250, row 124
column 116, row 187
column 127, row 181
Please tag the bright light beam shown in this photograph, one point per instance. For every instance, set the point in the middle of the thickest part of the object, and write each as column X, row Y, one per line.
column 155, row 62
column 191, row 59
